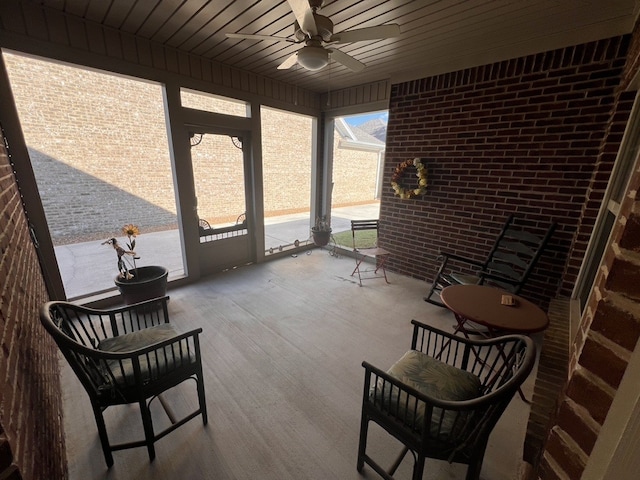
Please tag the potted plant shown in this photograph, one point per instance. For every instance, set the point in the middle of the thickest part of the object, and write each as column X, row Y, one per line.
column 136, row 284
column 321, row 231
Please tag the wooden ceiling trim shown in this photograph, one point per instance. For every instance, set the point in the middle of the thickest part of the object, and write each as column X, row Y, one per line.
column 113, row 43
column 358, row 15
column 117, row 13
column 138, row 15
column 219, row 26
column 148, row 25
column 96, row 10
column 127, row 49
column 195, row 67
column 76, row 29
column 57, row 27
column 77, row 8
column 193, row 25
column 272, row 24
column 176, row 21
column 197, row 29
column 435, row 34
column 366, row 94
column 34, row 21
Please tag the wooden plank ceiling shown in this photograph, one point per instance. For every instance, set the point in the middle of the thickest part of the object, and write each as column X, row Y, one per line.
column 436, row 36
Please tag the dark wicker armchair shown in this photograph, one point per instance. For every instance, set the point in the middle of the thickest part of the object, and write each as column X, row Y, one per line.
column 127, row 355
column 443, row 398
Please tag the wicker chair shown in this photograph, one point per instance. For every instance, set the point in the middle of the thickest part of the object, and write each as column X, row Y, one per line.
column 443, row 398
column 127, row 355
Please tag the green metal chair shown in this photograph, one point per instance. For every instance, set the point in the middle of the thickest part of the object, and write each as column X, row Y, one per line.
column 378, row 254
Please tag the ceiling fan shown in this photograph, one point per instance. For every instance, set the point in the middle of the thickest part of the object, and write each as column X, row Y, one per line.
column 316, row 32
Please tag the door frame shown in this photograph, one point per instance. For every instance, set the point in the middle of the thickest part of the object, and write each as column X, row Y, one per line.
column 218, row 124
column 226, row 253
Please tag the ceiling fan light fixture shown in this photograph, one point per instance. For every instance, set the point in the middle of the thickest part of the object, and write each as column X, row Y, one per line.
column 313, row 58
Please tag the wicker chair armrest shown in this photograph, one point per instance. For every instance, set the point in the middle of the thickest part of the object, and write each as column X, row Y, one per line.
column 435, row 335
column 163, row 301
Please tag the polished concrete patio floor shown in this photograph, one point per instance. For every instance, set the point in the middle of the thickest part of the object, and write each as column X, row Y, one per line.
column 282, row 344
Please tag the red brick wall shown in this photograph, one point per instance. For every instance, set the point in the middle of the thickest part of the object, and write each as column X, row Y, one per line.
column 522, row 136
column 609, row 332
column 608, row 337
column 31, row 436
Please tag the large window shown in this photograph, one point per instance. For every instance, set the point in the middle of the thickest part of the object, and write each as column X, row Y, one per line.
column 213, row 103
column 99, row 151
column 358, row 157
column 627, row 157
column 287, row 144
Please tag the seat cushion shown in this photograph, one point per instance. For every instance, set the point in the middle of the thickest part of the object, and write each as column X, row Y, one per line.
column 151, row 365
column 434, row 378
column 138, row 339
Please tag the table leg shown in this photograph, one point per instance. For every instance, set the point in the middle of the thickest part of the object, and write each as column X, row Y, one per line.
column 496, row 333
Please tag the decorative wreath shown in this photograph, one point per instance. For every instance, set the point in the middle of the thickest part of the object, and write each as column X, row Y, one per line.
column 421, row 172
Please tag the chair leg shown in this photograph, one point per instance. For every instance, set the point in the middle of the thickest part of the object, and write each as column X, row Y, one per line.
column 102, row 434
column 381, row 266
column 357, row 269
column 362, row 445
column 396, row 464
column 475, row 463
column 473, row 471
column 201, row 397
column 147, row 425
column 418, row 467
column 378, row 267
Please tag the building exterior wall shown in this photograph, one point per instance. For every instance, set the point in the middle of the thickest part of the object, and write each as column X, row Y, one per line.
column 355, row 174
column 608, row 336
column 522, row 136
column 31, row 436
column 608, row 333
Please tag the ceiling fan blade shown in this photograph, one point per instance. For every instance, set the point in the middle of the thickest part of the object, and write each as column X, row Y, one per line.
column 260, row 37
column 346, row 60
column 289, row 62
column 368, row 33
column 304, row 16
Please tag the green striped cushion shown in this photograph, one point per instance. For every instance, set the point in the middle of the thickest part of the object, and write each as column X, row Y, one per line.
column 434, row 378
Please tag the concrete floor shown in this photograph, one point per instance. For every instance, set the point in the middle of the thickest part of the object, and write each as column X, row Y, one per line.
column 282, row 347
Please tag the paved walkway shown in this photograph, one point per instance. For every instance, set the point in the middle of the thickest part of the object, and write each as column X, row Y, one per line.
column 90, row 267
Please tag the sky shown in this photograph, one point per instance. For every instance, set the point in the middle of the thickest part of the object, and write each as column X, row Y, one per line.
column 356, row 120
